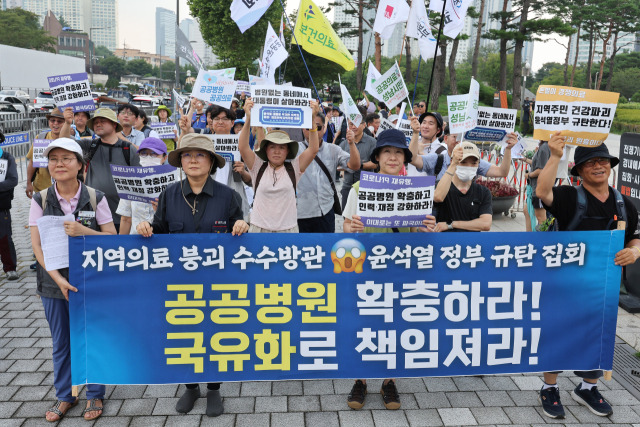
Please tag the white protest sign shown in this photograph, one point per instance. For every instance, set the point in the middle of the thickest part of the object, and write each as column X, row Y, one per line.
column 181, row 100
column 390, row 87
column 274, row 54
column 405, row 127
column 337, row 121
column 255, row 80
column 39, row 160
column 142, row 184
column 402, row 107
column 281, row 106
column 165, row 130
column 54, row 241
column 385, row 124
column 243, row 87
column 350, row 108
column 517, row 151
column 215, row 86
column 463, row 109
column 72, row 90
column 226, row 146
column 394, row 201
column 372, row 75
column 419, row 27
column 497, row 118
column 4, row 165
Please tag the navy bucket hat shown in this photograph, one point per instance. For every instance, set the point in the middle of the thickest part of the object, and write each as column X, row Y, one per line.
column 587, row 153
column 391, row 138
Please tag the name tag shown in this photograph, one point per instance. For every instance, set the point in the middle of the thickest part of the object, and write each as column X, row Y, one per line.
column 86, row 214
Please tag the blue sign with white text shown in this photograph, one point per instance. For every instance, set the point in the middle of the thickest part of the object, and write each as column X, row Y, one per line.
column 15, row 138
column 189, row 308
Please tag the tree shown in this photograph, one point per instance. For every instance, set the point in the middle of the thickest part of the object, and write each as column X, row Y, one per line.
column 113, row 66
column 139, row 67
column 63, row 22
column 503, row 34
column 627, row 82
column 233, row 48
column 476, row 49
column 20, row 28
column 102, row 51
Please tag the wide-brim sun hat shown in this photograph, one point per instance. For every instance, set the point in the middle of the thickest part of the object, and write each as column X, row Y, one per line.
column 55, row 113
column 105, row 113
column 391, row 138
column 435, row 115
column 195, row 141
column 163, row 107
column 281, row 138
column 64, row 143
column 583, row 154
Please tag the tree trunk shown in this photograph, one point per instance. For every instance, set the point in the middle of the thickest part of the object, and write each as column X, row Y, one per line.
column 378, row 44
column 359, row 64
column 476, row 49
column 439, row 75
column 612, row 60
column 453, row 80
column 566, row 63
column 590, row 60
column 517, row 56
column 502, row 83
column 605, row 41
column 407, row 72
column 575, row 58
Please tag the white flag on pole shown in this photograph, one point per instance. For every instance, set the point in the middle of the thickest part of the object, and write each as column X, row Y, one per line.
column 349, row 107
column 274, row 53
column 454, row 14
column 390, row 13
column 372, row 75
column 246, row 13
column 418, row 27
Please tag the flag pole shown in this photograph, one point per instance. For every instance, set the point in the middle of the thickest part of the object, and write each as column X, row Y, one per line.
column 300, row 50
column 415, row 85
column 406, row 27
column 435, row 55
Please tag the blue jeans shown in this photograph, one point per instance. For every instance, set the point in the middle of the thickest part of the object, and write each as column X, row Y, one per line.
column 57, row 313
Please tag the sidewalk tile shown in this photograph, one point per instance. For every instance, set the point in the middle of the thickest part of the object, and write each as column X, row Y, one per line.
column 271, row 404
column 490, row 416
column 495, row 398
column 470, row 383
column 238, row 405
column 183, row 420
column 305, row 403
column 523, row 415
column 286, row 388
column 32, row 409
column 351, row 418
column 128, row 392
column 111, row 406
column 321, row 419
column 410, row 385
column 25, row 394
column 525, row 398
column 333, row 402
column 423, row 418
column 463, row 399
column 287, row 419
column 229, row 389
column 156, row 421
column 20, row 332
column 224, row 420
column 168, row 390
column 135, row 407
column 253, row 420
column 343, row 386
column 14, row 422
column 255, row 388
column 617, row 397
column 432, row 400
column 166, row 406
column 313, row 387
column 457, row 417
column 440, row 384
column 7, row 409
column 528, row 383
column 7, row 391
column 584, row 415
column 23, row 353
column 7, row 377
column 385, row 417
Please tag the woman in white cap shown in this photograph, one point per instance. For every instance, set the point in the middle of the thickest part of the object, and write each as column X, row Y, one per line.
column 197, row 204
column 68, row 196
column 274, row 206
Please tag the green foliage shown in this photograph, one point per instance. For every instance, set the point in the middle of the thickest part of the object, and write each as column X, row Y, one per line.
column 102, row 51
column 139, row 67
column 626, row 81
column 233, row 48
column 635, row 99
column 20, row 28
column 63, row 21
column 112, row 82
column 114, row 67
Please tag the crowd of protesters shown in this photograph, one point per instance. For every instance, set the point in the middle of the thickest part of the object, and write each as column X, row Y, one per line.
column 282, row 184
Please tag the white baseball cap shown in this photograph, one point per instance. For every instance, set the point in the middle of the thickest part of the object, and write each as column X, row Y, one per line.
column 64, row 143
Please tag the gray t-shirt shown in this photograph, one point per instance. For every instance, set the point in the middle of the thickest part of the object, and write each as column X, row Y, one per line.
column 365, row 147
column 539, row 160
column 99, row 173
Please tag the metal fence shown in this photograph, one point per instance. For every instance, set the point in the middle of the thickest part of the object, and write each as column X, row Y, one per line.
column 25, row 128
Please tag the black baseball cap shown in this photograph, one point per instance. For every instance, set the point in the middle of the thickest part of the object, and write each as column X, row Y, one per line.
column 586, row 153
column 436, row 116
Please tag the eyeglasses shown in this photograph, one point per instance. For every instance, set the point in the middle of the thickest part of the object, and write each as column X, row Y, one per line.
column 127, row 113
column 601, row 161
column 65, row 160
column 197, row 156
column 421, row 105
column 221, row 120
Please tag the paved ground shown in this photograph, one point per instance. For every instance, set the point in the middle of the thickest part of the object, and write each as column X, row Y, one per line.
column 26, row 381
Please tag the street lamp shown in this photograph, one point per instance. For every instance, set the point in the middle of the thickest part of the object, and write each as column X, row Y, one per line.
column 91, row 50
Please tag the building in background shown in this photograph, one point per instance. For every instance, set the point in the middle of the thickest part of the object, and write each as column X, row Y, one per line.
column 129, row 54
column 191, row 29
column 627, row 43
column 341, row 15
column 165, row 32
column 10, row 4
column 81, row 15
column 70, row 43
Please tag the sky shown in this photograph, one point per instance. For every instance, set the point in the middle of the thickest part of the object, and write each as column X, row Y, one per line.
column 136, row 14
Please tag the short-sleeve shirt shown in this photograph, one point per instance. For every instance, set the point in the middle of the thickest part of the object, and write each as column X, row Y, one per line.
column 135, row 137
column 199, row 121
column 599, row 215
column 274, row 204
column 351, row 209
column 103, row 214
column 43, row 178
column 458, row 206
column 137, row 211
column 539, row 160
column 430, row 160
column 365, row 148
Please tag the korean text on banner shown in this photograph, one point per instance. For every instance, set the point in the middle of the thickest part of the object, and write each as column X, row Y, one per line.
column 584, row 116
column 16, row 138
column 629, row 167
column 226, row 146
column 405, row 127
column 390, row 88
column 142, row 184
column 274, row 53
column 386, row 201
column 463, row 109
column 418, row 27
column 390, row 13
column 315, row 34
column 493, row 124
column 281, row 106
column 39, row 160
column 72, row 90
column 243, row 87
column 165, row 130
column 454, row 15
column 186, row 51
column 229, row 308
column 215, row 86
column 245, row 13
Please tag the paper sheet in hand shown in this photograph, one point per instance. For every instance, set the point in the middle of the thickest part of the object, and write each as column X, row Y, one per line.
column 54, row 241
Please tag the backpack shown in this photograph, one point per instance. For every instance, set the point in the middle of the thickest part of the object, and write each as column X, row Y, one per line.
column 287, row 166
column 93, row 148
column 440, row 160
column 92, row 198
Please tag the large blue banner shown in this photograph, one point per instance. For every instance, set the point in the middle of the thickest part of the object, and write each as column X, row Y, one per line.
column 191, row 308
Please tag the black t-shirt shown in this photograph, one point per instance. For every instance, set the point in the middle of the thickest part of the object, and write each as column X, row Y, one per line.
column 464, row 207
column 599, row 216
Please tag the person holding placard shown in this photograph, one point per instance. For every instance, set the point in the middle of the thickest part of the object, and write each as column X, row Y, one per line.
column 8, row 181
column 390, row 155
column 197, row 204
column 38, row 178
column 69, row 196
column 79, row 126
column 274, row 206
column 127, row 116
column 142, row 124
column 199, row 117
column 163, row 112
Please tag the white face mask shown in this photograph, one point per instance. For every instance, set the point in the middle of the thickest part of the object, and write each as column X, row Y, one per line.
column 466, row 173
column 146, row 161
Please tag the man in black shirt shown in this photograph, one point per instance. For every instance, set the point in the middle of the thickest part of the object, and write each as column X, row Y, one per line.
column 593, row 165
column 460, row 203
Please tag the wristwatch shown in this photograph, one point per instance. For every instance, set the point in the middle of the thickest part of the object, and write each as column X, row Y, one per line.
column 450, row 226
